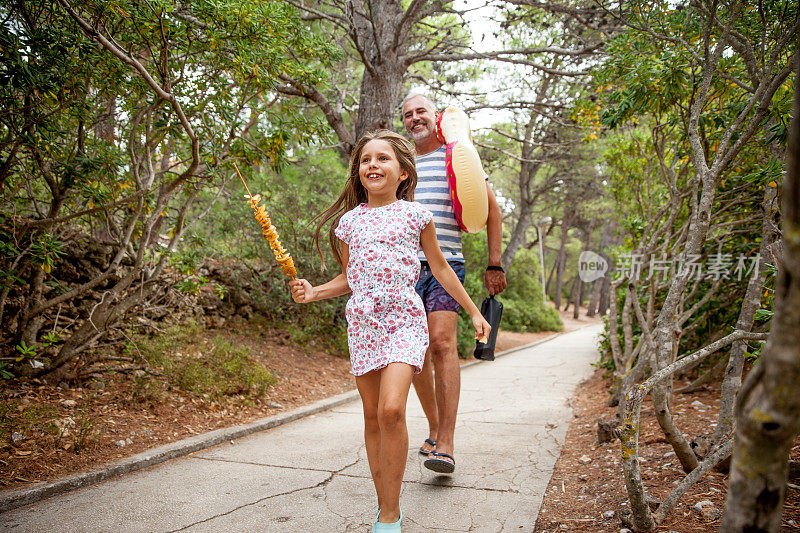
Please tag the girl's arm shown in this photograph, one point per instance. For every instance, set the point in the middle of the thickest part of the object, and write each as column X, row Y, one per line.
column 303, row 292
column 445, row 275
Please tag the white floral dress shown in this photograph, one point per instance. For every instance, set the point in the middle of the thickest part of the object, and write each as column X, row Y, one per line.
column 386, row 320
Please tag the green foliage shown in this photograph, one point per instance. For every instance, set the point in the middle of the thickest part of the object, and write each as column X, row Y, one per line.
column 606, row 361
column 25, row 351
column 191, row 284
column 15, row 417
column 523, row 308
column 216, row 369
column 82, row 434
column 226, row 371
column 753, row 354
column 87, row 138
column 44, row 251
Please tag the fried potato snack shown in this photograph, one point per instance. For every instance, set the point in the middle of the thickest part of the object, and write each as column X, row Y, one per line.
column 269, row 232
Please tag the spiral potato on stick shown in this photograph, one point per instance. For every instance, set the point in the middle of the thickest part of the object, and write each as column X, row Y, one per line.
column 269, row 232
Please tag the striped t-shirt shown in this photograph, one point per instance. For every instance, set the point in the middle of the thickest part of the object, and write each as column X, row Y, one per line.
column 433, row 193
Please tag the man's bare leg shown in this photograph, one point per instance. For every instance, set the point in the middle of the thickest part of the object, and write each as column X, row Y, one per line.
column 444, row 353
column 424, row 387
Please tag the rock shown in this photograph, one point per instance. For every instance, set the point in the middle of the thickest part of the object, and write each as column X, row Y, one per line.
column 64, row 423
column 699, row 445
column 626, row 517
column 274, row 405
column 585, row 459
column 625, row 530
column 245, row 310
column 607, row 430
column 215, row 321
column 699, row 505
column 608, row 515
column 707, row 510
column 711, row 513
column 120, row 443
column 700, row 406
column 69, row 403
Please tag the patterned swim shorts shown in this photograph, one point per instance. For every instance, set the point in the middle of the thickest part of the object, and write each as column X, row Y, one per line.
column 433, row 294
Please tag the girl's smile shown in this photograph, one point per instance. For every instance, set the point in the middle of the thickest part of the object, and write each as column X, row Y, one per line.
column 380, row 172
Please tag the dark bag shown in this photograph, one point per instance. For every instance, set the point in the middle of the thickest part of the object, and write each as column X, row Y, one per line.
column 491, row 310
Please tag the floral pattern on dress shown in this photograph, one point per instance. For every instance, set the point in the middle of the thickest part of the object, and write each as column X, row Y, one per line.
column 386, row 320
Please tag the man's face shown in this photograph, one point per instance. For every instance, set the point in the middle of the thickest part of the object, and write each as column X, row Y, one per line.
column 419, row 119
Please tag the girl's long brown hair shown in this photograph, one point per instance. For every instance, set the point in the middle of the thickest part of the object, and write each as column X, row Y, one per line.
column 354, row 192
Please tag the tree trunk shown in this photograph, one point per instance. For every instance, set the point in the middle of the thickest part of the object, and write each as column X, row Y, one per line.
column 597, row 287
column 380, row 97
column 562, row 257
column 578, row 298
column 732, row 381
column 550, row 277
column 594, row 298
column 605, row 292
column 768, row 419
column 571, row 298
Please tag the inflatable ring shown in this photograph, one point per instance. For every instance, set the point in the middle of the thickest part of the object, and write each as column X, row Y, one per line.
column 465, row 174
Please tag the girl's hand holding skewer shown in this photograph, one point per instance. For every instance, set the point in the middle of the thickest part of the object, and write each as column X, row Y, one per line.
column 482, row 328
column 302, row 291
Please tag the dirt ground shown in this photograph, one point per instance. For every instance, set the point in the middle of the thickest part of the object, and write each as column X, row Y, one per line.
column 588, row 483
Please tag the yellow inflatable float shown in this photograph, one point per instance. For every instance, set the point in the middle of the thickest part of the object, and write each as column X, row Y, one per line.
column 464, row 171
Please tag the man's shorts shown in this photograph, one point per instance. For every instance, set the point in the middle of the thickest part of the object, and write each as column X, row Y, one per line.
column 433, row 294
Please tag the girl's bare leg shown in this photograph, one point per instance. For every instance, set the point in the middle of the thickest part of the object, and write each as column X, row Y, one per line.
column 395, row 382
column 369, row 389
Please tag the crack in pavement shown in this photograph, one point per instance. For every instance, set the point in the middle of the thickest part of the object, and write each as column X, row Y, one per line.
column 212, row 459
column 322, row 483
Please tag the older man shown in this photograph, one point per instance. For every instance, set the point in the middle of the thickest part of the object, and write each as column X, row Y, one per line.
column 439, row 395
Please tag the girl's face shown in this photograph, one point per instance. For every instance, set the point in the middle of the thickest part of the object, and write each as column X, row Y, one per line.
column 379, row 171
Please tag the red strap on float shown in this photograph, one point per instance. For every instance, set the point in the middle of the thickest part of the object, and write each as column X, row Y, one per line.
column 451, row 181
column 451, row 174
column 439, row 128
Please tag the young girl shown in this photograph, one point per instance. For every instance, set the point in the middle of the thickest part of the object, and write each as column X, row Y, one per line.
column 376, row 232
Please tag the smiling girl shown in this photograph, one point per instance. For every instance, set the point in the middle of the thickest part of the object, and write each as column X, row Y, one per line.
column 376, row 233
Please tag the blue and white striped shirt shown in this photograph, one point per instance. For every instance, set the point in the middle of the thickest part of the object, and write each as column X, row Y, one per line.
column 434, row 194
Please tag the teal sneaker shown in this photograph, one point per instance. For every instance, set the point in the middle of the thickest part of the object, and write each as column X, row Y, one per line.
column 395, row 527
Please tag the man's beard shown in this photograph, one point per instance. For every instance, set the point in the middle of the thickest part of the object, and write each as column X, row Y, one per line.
column 423, row 134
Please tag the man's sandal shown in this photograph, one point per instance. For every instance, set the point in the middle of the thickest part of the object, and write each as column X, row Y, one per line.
column 423, row 451
column 440, row 465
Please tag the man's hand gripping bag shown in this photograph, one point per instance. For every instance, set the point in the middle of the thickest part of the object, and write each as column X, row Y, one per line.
column 492, row 311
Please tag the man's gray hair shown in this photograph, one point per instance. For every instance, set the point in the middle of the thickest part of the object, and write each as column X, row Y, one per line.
column 414, row 95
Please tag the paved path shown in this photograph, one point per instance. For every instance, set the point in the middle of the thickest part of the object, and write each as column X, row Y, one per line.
column 311, row 475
